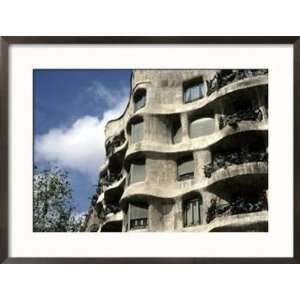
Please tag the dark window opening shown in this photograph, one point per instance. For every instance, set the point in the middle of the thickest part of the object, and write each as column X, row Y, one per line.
column 138, row 223
column 139, row 99
column 185, row 168
column 193, row 90
column 138, row 215
column 192, row 211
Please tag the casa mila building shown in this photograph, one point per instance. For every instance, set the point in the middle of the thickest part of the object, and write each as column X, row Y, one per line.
column 189, row 153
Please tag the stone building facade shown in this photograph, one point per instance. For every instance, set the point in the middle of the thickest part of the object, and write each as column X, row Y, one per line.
column 189, row 153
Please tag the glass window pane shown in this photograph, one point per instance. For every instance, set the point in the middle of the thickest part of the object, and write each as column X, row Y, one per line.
column 192, row 212
column 187, row 95
column 189, row 214
column 196, row 212
column 140, row 103
column 194, row 92
column 139, row 99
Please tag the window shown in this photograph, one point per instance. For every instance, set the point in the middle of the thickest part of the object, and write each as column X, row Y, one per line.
column 176, row 132
column 139, row 99
column 185, row 168
column 137, row 131
column 193, row 91
column 137, row 171
column 138, row 216
column 192, row 211
column 202, row 127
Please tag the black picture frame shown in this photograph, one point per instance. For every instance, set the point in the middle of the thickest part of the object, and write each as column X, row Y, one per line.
column 6, row 42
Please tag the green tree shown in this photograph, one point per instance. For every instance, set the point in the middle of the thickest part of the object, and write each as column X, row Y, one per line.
column 53, row 209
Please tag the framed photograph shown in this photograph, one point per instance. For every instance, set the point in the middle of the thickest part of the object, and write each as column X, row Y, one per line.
column 149, row 150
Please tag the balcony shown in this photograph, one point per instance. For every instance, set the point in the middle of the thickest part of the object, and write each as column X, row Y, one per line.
column 225, row 77
column 234, row 118
column 113, row 222
column 111, row 209
column 115, row 143
column 243, row 203
column 110, row 179
column 223, row 160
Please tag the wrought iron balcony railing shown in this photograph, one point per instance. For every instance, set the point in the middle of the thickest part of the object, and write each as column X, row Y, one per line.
column 223, row 160
column 111, row 179
column 239, row 205
column 111, row 208
column 234, row 118
column 115, row 143
column 225, row 77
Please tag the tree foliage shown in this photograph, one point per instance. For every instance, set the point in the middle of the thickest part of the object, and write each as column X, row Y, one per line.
column 53, row 209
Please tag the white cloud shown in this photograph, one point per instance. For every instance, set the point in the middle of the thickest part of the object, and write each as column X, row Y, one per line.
column 80, row 147
column 111, row 97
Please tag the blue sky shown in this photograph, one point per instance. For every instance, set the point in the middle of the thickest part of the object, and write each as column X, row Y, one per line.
column 71, row 108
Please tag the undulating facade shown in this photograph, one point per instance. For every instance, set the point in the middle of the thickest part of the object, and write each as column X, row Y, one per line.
column 189, row 153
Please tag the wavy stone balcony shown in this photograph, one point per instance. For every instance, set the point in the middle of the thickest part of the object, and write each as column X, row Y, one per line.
column 117, row 149
column 235, row 174
column 256, row 221
column 113, row 222
column 195, row 143
column 224, row 160
column 115, row 191
column 116, row 157
column 233, row 87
